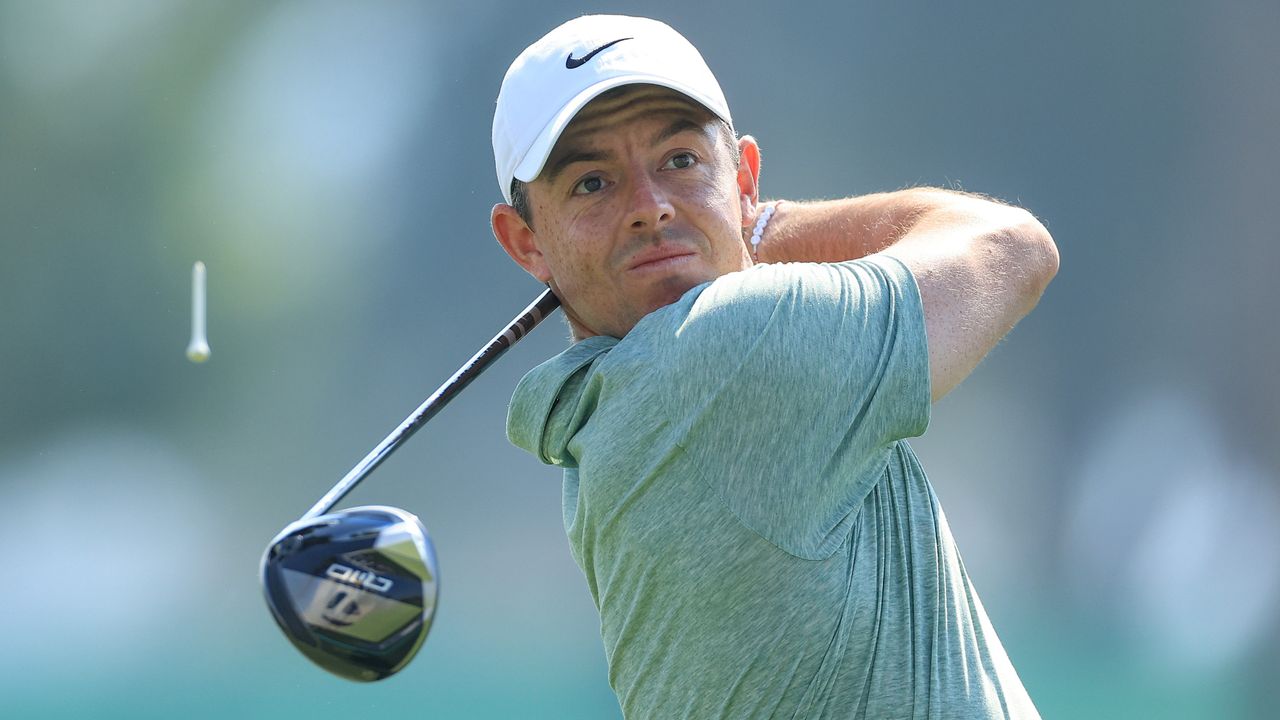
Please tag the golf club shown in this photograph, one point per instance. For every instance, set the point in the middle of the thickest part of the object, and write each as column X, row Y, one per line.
column 356, row 590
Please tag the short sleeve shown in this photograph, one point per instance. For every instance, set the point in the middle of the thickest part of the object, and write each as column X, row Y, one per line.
column 792, row 383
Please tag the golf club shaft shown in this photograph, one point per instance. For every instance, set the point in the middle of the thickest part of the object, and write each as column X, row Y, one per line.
column 522, row 324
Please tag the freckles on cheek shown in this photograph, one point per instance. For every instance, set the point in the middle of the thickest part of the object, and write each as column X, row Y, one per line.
column 570, row 271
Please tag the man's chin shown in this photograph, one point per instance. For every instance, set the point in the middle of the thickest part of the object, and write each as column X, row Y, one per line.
column 670, row 290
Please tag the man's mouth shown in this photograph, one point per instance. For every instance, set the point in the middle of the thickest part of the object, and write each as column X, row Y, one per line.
column 660, row 257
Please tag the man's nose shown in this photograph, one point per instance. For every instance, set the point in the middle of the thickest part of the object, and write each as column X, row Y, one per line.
column 650, row 207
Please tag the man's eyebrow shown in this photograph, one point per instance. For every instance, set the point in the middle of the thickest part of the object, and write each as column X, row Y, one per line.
column 570, row 158
column 676, row 127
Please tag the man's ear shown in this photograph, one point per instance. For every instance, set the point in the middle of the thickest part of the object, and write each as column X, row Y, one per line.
column 748, row 177
column 519, row 240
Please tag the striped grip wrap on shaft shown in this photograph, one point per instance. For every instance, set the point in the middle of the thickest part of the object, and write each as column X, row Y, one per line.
column 532, row 315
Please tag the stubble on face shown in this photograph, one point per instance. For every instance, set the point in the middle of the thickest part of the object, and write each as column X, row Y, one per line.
column 637, row 204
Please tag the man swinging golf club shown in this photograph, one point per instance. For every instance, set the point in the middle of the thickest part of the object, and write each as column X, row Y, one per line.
column 758, row 537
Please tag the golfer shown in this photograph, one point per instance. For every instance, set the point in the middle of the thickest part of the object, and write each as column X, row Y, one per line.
column 758, row 537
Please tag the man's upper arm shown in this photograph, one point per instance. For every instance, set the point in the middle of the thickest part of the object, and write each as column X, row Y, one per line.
column 791, row 384
column 980, row 266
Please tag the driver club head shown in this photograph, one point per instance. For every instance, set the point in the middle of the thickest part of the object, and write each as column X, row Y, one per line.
column 354, row 590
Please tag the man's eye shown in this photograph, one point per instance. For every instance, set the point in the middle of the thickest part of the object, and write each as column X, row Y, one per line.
column 588, row 185
column 680, row 161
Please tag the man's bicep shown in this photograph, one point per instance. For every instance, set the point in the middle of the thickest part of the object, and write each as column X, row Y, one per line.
column 978, row 274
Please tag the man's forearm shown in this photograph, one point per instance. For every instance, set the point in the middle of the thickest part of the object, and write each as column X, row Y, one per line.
column 838, row 230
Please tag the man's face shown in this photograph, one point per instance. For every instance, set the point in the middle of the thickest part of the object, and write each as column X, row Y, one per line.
column 639, row 201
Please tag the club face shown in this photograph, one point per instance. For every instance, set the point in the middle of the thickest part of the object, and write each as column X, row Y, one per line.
column 354, row 590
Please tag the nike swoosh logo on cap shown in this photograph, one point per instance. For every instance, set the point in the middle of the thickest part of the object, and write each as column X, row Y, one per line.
column 572, row 62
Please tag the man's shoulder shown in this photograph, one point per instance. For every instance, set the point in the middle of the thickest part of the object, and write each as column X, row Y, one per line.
column 530, row 414
column 743, row 303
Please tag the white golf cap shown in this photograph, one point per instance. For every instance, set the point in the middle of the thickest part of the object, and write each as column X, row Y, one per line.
column 556, row 76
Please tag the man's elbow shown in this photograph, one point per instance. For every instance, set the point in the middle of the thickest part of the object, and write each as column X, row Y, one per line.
column 1037, row 254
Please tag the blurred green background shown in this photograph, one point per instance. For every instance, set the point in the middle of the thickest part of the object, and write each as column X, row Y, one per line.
column 1110, row 472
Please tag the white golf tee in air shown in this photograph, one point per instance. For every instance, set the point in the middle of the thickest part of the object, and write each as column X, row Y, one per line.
column 198, row 349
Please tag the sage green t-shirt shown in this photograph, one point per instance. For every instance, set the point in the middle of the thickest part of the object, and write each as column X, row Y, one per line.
column 757, row 536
